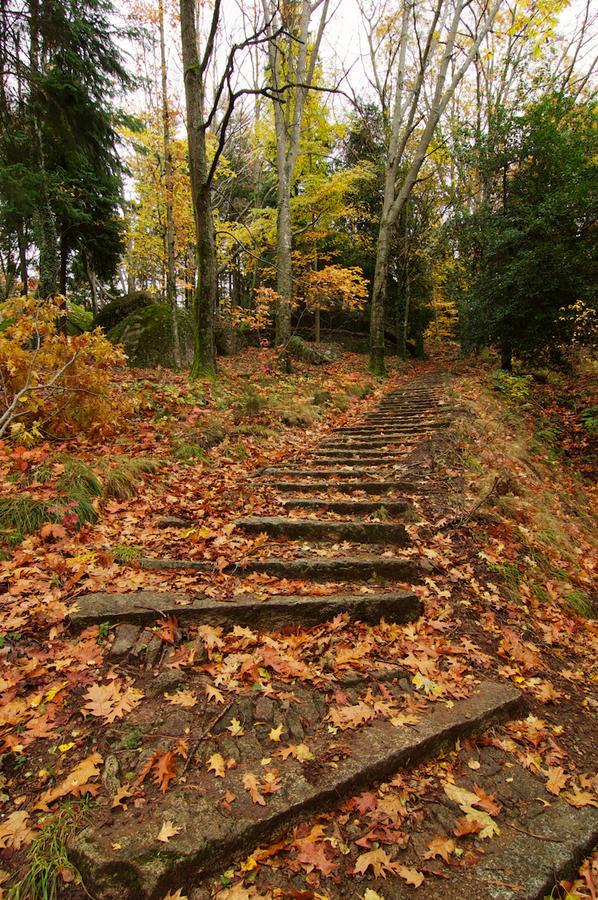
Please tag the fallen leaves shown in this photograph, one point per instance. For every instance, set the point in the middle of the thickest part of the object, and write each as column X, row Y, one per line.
column 14, row 831
column 217, row 764
column 167, row 831
column 186, row 699
column 376, row 860
column 440, row 846
column 475, row 820
column 557, row 780
column 77, row 783
column 111, row 701
column 251, row 785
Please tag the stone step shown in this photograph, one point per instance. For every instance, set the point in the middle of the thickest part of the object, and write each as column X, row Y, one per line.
column 351, row 507
column 326, row 531
column 400, row 427
column 119, row 858
column 147, row 607
column 348, row 487
column 362, row 452
column 333, row 471
column 367, row 444
column 345, row 459
column 355, row 569
column 532, row 865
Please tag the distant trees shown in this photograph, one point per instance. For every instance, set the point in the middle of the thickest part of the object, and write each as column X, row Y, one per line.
column 529, row 246
column 60, row 172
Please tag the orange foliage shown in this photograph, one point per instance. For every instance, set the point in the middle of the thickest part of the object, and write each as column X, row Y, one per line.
column 51, row 382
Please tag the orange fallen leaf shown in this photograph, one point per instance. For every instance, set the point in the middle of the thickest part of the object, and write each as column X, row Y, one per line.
column 250, row 783
column 440, row 846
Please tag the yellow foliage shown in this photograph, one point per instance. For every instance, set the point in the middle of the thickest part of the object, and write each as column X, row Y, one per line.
column 335, row 285
column 54, row 383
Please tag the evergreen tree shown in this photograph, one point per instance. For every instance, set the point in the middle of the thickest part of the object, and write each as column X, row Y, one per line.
column 60, row 175
column 529, row 247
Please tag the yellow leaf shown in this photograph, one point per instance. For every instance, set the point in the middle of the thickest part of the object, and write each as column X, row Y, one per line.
column 64, row 748
column 217, row 764
column 275, row 733
column 235, row 728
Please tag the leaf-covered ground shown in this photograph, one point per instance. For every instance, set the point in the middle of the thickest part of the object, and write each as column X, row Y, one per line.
column 509, row 542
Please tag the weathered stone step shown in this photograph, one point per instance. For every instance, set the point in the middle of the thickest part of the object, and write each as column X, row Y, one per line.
column 387, row 459
column 351, row 507
column 531, row 865
column 395, row 428
column 120, row 859
column 146, row 607
column 348, row 487
column 340, row 568
column 326, row 531
column 368, row 444
column 363, row 453
column 374, row 429
column 333, row 471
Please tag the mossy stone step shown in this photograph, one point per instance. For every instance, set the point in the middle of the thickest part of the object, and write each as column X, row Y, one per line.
column 351, row 507
column 120, row 860
column 326, row 531
column 356, row 569
column 147, row 607
column 349, row 487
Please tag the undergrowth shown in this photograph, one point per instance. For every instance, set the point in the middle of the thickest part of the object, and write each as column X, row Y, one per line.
column 80, row 487
column 48, row 865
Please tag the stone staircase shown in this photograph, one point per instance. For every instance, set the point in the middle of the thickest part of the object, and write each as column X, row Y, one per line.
column 354, row 495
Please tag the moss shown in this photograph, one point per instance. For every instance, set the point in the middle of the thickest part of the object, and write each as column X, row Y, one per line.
column 310, row 353
column 121, row 307
column 251, row 403
column 146, row 336
column 78, row 319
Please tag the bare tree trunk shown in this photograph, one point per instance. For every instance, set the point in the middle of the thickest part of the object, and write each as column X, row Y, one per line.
column 292, row 67
column 44, row 224
column 204, row 304
column 401, row 122
column 171, row 297
column 93, row 284
column 23, row 257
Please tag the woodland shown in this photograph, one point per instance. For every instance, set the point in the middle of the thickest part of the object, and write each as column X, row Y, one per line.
column 298, row 420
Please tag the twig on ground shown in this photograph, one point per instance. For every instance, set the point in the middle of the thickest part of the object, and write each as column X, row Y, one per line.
column 204, row 735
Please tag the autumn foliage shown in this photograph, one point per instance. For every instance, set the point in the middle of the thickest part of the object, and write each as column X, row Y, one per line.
column 51, row 382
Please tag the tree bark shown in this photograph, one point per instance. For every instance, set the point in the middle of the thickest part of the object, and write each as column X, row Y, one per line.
column 204, row 301
column 292, row 68
column 44, row 224
column 401, row 122
column 171, row 297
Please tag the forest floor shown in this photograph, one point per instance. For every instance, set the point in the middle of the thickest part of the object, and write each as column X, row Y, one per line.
column 148, row 734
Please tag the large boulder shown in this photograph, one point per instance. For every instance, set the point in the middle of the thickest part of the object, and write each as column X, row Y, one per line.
column 121, row 307
column 146, row 335
column 316, row 354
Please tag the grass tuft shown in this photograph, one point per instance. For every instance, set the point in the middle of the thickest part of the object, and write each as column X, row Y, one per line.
column 47, row 861
column 120, row 479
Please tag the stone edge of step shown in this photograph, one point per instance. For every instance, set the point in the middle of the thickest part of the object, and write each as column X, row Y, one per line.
column 378, row 752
